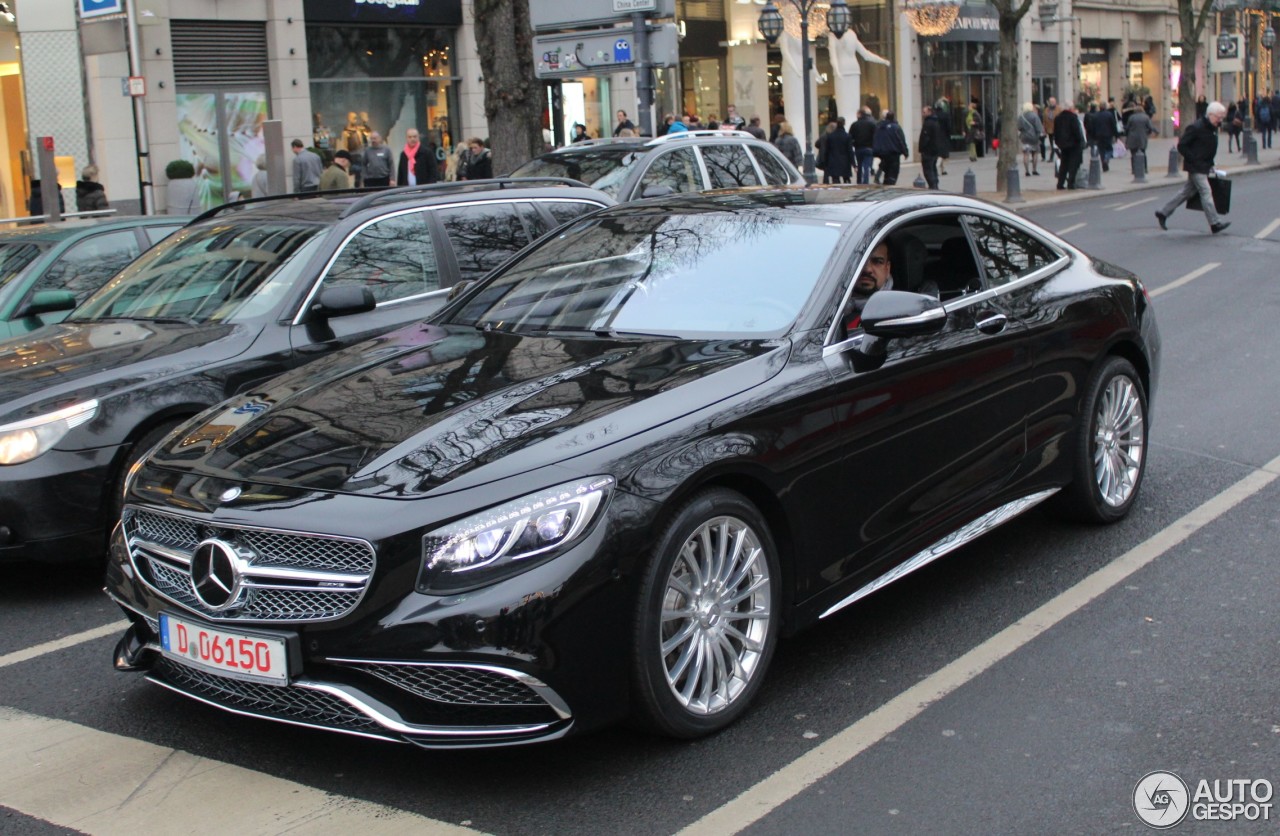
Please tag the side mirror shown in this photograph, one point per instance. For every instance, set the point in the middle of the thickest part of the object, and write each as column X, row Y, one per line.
column 896, row 313
column 656, row 190
column 343, row 301
column 47, row 301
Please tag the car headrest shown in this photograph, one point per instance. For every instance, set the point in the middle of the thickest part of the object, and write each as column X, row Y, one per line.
column 908, row 254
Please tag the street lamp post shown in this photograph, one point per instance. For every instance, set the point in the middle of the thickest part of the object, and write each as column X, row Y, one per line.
column 771, row 26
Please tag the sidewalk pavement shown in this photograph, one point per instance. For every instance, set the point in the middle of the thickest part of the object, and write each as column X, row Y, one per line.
column 1043, row 189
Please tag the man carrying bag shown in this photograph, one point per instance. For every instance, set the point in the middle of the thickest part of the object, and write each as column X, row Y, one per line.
column 1198, row 147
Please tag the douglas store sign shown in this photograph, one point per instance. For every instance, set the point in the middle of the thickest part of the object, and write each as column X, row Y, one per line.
column 422, row 12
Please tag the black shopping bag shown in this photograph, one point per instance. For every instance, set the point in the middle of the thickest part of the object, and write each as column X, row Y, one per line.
column 1221, row 189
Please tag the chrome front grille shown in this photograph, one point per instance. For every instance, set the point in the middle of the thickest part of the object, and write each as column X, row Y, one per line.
column 299, row 705
column 456, row 685
column 283, row 576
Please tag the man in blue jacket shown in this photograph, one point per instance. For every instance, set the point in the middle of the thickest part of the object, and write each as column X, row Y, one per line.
column 890, row 145
column 1198, row 147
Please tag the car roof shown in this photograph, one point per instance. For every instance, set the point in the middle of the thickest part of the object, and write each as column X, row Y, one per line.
column 842, row 202
column 69, row 229
column 644, row 144
column 327, row 208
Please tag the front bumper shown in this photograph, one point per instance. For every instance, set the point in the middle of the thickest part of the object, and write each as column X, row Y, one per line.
column 527, row 659
column 52, row 508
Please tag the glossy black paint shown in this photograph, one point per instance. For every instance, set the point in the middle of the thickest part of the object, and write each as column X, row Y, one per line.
column 855, row 467
column 149, row 373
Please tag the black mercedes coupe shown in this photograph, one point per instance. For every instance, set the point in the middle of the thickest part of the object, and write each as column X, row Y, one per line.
column 605, row 480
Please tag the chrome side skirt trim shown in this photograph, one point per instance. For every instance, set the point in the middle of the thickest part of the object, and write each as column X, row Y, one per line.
column 951, row 542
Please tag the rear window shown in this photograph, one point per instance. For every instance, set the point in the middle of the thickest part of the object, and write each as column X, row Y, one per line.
column 14, row 258
column 603, row 168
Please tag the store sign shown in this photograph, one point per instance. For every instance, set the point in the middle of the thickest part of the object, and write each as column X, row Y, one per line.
column 975, row 23
column 97, row 8
column 573, row 14
column 411, row 12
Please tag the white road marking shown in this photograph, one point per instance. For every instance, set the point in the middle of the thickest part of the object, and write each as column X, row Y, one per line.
column 106, row 784
column 772, row 792
column 1268, row 229
column 1070, row 214
column 1072, row 228
column 62, row 643
column 1124, row 206
column 1179, row 282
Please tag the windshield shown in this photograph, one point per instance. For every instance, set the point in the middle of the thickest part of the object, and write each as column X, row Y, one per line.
column 212, row 273
column 16, row 257
column 602, row 168
column 705, row 274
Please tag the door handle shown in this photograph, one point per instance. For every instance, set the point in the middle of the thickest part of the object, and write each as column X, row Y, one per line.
column 993, row 324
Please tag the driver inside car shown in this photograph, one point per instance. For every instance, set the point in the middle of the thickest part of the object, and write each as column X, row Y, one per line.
column 876, row 275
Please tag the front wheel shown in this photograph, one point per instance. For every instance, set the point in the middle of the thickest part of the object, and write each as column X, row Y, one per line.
column 707, row 618
column 1111, row 447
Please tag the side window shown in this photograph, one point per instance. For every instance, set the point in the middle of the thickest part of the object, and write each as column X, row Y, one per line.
column 565, row 211
column 1005, row 252
column 393, row 257
column 86, row 266
column 156, row 234
column 729, row 166
column 677, row 170
column 774, row 171
column 483, row 236
column 534, row 221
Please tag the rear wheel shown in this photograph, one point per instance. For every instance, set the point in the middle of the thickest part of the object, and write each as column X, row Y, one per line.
column 707, row 621
column 1111, row 447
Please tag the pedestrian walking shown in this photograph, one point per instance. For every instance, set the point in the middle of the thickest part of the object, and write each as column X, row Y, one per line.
column 376, row 162
column 1137, row 130
column 788, row 144
column 1198, row 147
column 417, row 164
column 839, row 155
column 1047, row 151
column 1030, row 132
column 890, row 145
column 1235, row 125
column 1266, row 119
column 307, row 168
column 90, row 194
column 933, row 139
column 862, row 134
column 260, row 186
column 1068, row 135
column 974, row 134
column 336, row 176
column 479, row 163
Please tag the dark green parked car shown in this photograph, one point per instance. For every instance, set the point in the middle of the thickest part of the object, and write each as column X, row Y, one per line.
column 46, row 270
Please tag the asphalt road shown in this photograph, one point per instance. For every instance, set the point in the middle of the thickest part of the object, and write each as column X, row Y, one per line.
column 1023, row 684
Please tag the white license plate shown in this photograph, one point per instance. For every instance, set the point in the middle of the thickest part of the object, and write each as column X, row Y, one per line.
column 239, row 655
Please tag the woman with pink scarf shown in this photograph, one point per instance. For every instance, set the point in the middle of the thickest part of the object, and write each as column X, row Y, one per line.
column 417, row 162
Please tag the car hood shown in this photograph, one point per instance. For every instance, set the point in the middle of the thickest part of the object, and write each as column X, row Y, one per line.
column 76, row 361
column 431, row 409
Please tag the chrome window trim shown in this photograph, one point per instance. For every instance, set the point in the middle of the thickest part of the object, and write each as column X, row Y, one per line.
column 1064, row 257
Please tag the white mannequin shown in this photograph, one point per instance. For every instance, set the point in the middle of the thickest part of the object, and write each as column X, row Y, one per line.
column 844, row 53
column 793, row 89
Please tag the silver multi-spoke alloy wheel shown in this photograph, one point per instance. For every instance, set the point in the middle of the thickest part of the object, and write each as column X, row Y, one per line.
column 1119, row 441
column 716, row 615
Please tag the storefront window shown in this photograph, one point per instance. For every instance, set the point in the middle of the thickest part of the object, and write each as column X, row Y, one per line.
column 384, row 79
column 700, row 81
column 219, row 126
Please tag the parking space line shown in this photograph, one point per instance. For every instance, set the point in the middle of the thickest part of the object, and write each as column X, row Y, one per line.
column 107, row 784
column 1180, row 281
column 787, row 783
column 1268, row 229
column 1124, row 206
column 1072, row 228
column 62, row 643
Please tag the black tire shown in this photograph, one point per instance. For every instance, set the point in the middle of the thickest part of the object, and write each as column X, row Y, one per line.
column 736, row 621
column 1110, row 447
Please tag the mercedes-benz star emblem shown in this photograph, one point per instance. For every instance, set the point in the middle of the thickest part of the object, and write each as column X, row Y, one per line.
column 214, row 576
column 230, row 494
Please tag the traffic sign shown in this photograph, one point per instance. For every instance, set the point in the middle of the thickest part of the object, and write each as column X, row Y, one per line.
column 568, row 54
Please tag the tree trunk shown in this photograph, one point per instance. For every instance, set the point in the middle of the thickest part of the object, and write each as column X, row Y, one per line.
column 512, row 93
column 1010, row 16
column 1193, row 21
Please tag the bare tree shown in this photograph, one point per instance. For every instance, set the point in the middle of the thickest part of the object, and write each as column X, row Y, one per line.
column 1193, row 15
column 512, row 93
column 1011, row 14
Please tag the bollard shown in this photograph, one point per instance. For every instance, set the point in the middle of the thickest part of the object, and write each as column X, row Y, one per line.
column 919, row 182
column 1095, row 170
column 970, row 183
column 1139, row 163
column 1013, row 187
column 1173, row 162
column 1250, row 149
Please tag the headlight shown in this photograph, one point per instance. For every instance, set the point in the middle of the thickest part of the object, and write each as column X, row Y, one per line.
column 510, row 537
column 22, row 441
